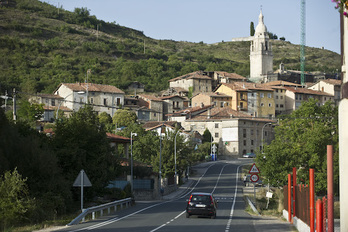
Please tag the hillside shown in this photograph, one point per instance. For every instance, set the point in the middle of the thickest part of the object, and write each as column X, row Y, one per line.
column 42, row 46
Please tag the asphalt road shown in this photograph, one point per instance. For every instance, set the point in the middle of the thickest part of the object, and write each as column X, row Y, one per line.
column 219, row 178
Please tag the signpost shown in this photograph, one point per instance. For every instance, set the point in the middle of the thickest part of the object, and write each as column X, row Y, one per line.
column 213, row 149
column 82, row 181
column 254, row 177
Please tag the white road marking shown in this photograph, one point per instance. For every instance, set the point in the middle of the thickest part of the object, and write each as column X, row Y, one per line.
column 234, row 202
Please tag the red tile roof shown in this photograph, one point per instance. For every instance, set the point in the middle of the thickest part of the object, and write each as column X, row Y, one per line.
column 92, row 87
column 333, row 81
column 231, row 75
column 307, row 91
column 244, row 86
column 193, row 75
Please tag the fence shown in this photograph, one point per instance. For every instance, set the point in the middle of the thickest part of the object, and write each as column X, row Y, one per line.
column 100, row 208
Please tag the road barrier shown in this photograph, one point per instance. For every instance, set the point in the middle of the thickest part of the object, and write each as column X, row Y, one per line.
column 100, row 208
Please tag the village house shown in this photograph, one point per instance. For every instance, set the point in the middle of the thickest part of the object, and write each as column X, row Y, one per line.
column 235, row 132
column 51, row 103
column 103, row 98
column 295, row 96
column 194, row 82
column 254, row 99
column 330, row 86
column 212, row 98
column 173, row 103
column 153, row 103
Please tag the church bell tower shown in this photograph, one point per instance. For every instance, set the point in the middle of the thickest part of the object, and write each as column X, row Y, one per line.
column 261, row 57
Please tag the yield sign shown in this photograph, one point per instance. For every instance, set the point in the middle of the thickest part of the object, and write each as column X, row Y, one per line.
column 254, row 169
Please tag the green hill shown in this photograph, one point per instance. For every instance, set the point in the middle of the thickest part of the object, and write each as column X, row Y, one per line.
column 42, row 46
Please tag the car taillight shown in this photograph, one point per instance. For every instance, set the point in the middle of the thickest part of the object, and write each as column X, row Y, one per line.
column 190, row 199
column 211, row 201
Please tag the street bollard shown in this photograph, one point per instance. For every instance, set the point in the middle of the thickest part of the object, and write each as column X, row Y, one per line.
column 319, row 215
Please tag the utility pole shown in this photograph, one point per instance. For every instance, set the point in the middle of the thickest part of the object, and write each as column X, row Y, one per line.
column 14, row 105
column 342, row 127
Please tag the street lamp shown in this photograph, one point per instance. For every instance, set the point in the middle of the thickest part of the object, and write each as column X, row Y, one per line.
column 262, row 134
column 132, row 134
column 160, row 162
column 175, row 155
column 80, row 92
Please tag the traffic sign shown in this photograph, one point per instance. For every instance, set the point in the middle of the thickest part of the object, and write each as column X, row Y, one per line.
column 254, row 178
column 254, row 169
column 82, row 178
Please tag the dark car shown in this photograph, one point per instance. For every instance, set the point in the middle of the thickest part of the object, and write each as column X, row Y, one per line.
column 203, row 204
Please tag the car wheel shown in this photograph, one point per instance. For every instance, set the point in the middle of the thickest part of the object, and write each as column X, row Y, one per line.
column 187, row 215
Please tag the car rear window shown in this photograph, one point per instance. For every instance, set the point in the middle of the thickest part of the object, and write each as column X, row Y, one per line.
column 200, row 198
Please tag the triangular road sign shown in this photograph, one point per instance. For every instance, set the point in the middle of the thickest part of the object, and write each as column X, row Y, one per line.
column 85, row 180
column 254, row 169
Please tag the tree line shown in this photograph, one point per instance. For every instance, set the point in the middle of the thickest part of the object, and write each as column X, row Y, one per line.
column 37, row 171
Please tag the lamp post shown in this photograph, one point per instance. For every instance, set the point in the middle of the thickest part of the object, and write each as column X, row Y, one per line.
column 132, row 134
column 80, row 92
column 175, row 156
column 262, row 134
column 160, row 162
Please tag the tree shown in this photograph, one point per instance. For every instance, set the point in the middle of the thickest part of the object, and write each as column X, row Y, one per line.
column 106, row 121
column 207, row 138
column 252, row 29
column 124, row 117
column 300, row 141
column 29, row 112
column 14, row 200
column 80, row 142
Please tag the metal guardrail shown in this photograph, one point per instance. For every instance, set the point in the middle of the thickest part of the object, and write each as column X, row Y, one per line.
column 92, row 210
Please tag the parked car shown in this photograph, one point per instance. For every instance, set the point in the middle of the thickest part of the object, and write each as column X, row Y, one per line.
column 249, row 155
column 203, row 204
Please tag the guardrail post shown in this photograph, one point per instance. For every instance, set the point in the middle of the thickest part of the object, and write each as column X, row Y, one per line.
column 289, row 198
column 311, row 199
column 101, row 212
column 121, row 206
column 108, row 210
column 115, row 208
column 93, row 215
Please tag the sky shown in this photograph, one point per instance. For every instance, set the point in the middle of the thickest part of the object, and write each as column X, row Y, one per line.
column 214, row 21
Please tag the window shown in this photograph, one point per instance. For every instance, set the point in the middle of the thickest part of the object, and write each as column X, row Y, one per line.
column 281, row 97
column 46, row 101
column 118, row 101
column 277, row 105
column 281, row 106
column 216, row 125
column 221, row 104
column 53, row 102
column 277, row 97
column 244, row 142
column 252, row 132
column 92, row 100
column 269, row 104
column 261, row 95
column 244, row 133
column 269, row 95
column 105, row 101
column 252, row 142
column 276, row 90
column 81, row 99
column 216, row 135
column 261, row 104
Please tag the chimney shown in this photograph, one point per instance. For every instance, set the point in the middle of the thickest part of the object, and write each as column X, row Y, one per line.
column 202, row 104
column 209, row 111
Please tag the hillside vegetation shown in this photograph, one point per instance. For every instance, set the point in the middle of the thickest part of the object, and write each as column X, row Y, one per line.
column 42, row 46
